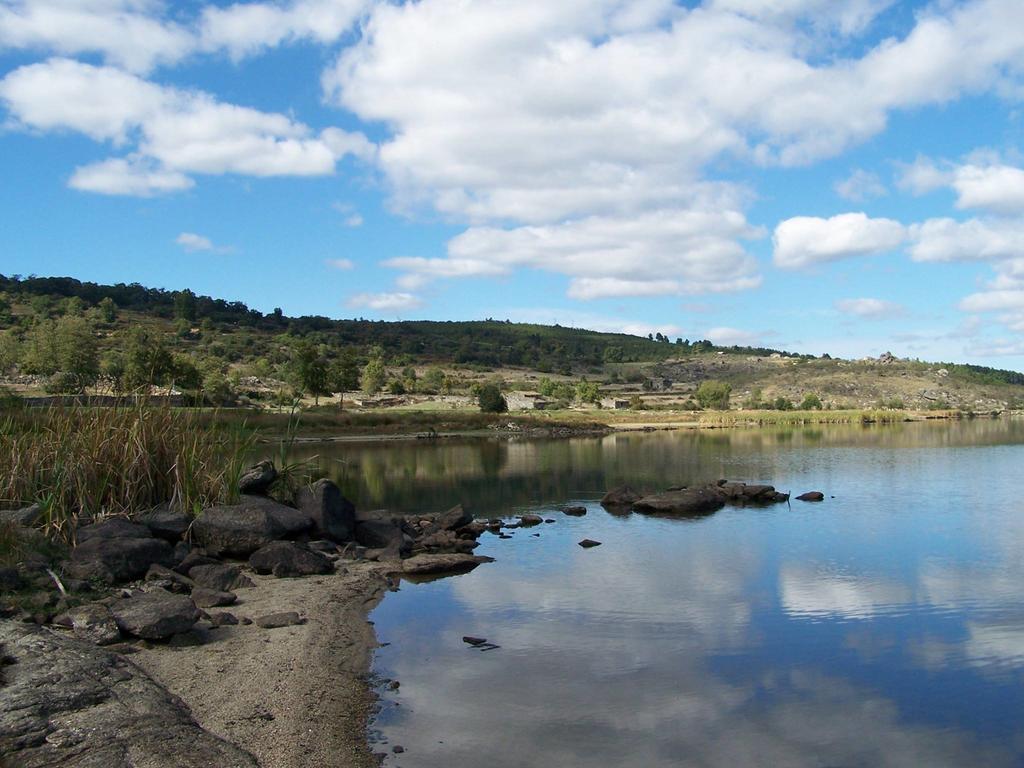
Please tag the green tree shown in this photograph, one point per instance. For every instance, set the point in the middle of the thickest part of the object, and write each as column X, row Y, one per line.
column 491, row 400
column 588, row 392
column 108, row 310
column 185, row 305
column 714, row 394
column 147, row 362
column 311, row 372
column 783, row 404
column 612, row 354
column 374, row 374
column 74, row 306
column 64, row 349
column 344, row 371
column 433, row 380
column 811, row 402
column 10, row 351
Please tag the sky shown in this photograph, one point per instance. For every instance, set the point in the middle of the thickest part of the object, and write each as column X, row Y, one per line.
column 811, row 175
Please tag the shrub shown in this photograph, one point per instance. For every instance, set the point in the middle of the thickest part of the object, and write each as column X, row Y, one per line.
column 714, row 394
column 811, row 402
column 491, row 400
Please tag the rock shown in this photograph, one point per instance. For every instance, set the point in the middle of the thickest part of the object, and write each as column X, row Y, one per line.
column 470, row 640
column 25, row 516
column 549, row 520
column 220, row 577
column 112, row 528
column 192, row 559
column 70, row 704
column 258, row 478
column 94, row 623
column 588, row 543
column 454, row 518
column 811, row 496
column 398, row 749
column 443, row 563
column 238, row 530
column 689, row 502
column 333, row 516
column 529, row 519
column 10, row 580
column 753, row 494
column 326, row 547
column 574, row 511
column 177, row 582
column 155, row 615
column 166, row 523
column 379, row 534
column 286, row 558
column 223, row 619
column 117, row 559
column 212, row 598
column 275, row 620
column 623, row 496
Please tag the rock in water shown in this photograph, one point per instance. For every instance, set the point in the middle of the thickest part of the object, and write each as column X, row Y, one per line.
column 333, row 516
column 811, row 496
column 155, row 615
column 258, row 478
column 623, row 496
column 470, row 640
column 574, row 511
column 454, row 518
column 443, row 563
column 588, row 543
column 688, row 502
column 286, row 558
column 528, row 520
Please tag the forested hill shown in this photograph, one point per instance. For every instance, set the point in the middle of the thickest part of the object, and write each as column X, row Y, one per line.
column 486, row 342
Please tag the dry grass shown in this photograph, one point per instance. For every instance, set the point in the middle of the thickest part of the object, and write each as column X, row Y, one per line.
column 94, row 462
column 795, row 418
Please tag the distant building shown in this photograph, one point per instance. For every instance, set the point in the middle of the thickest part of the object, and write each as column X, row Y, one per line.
column 614, row 403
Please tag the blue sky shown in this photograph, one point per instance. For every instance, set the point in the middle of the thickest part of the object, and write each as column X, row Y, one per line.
column 821, row 176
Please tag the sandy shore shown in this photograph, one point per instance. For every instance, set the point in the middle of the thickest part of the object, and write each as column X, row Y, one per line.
column 293, row 696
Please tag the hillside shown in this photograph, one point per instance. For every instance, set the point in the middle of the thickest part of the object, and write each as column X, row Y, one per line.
column 233, row 354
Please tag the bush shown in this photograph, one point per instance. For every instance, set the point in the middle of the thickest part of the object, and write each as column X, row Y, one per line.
column 714, row 394
column 491, row 400
column 811, row 402
column 783, row 404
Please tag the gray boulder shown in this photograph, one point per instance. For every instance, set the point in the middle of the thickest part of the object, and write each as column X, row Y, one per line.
column 333, row 516
column 530, row 520
column 258, row 478
column 25, row 516
column 282, row 619
column 117, row 559
column 623, row 496
column 166, row 523
column 238, row 530
column 112, row 528
column 94, row 623
column 442, row 563
column 454, row 518
column 155, row 615
column 220, row 577
column 689, row 502
column 379, row 534
column 66, row 703
column 212, row 598
column 286, row 558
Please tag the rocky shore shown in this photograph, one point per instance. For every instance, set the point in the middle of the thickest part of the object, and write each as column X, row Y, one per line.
column 244, row 627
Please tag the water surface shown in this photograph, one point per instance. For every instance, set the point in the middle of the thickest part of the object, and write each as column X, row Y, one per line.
column 882, row 627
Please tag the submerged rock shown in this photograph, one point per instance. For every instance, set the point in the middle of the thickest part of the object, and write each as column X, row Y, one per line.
column 71, row 704
column 574, row 511
column 530, row 519
column 286, row 558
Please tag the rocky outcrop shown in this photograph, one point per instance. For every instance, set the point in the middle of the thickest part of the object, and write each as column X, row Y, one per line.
column 155, row 615
column 443, row 563
column 94, row 623
column 238, row 530
column 286, row 558
column 257, row 479
column 333, row 516
column 687, row 502
column 25, row 516
column 66, row 703
column 112, row 528
column 623, row 496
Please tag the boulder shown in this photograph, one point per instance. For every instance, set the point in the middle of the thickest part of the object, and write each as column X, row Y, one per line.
column 169, row 579
column 117, row 559
column 588, row 543
column 94, row 623
column 742, row 493
column 112, row 528
column 223, row 619
column 811, row 496
column 155, row 615
column 286, row 558
column 164, row 522
column 238, row 530
column 454, row 518
column 10, row 580
column 379, row 534
column 192, row 559
column 623, row 496
column 530, row 519
column 574, row 511
column 212, row 598
column 687, row 502
column 258, row 478
column 443, row 563
column 333, row 516
column 65, row 703
column 25, row 516
column 220, row 577
column 282, row 619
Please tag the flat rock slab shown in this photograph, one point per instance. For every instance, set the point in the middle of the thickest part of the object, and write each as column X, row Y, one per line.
column 623, row 496
column 220, row 576
column 687, row 503
column 67, row 703
column 212, row 598
column 155, row 615
column 443, row 563
column 94, row 623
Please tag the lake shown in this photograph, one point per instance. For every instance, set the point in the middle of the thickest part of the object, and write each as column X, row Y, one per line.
column 881, row 627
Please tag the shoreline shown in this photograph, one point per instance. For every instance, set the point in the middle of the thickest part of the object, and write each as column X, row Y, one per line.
column 291, row 696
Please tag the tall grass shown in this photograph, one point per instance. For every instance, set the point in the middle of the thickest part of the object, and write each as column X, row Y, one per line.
column 793, row 418
column 82, row 462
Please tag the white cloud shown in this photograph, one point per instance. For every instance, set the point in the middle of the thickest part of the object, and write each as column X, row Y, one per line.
column 385, row 302
column 993, row 301
column 807, row 240
column 127, row 33
column 341, row 264
column 982, row 181
column 860, row 185
column 922, row 176
column 724, row 336
column 592, row 321
column 972, row 240
column 128, row 176
column 193, row 243
column 177, row 132
column 874, row 309
column 244, row 29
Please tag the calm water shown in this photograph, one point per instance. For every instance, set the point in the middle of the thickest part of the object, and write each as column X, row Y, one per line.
column 883, row 627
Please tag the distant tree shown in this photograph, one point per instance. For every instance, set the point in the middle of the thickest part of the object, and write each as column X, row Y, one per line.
column 783, row 404
column 491, row 400
column 344, row 371
column 588, row 392
column 10, row 351
column 108, row 310
column 311, row 372
column 147, row 361
column 612, row 354
column 714, row 394
column 74, row 307
column 433, row 380
column 753, row 402
column 185, row 305
column 546, row 387
column 396, row 387
column 374, row 374
column 65, row 350
column 811, row 402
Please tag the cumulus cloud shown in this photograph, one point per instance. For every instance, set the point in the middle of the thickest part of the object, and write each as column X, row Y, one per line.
column 806, row 240
column 874, row 309
column 947, row 239
column 177, row 132
column 385, row 302
column 983, row 181
column 192, row 243
column 860, row 185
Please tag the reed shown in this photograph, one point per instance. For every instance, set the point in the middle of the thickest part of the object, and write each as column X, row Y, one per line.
column 86, row 463
column 796, row 418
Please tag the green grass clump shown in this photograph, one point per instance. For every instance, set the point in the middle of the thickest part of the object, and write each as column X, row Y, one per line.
column 82, row 462
column 795, row 418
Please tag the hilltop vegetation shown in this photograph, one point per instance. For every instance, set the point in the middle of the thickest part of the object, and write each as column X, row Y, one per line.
column 60, row 335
